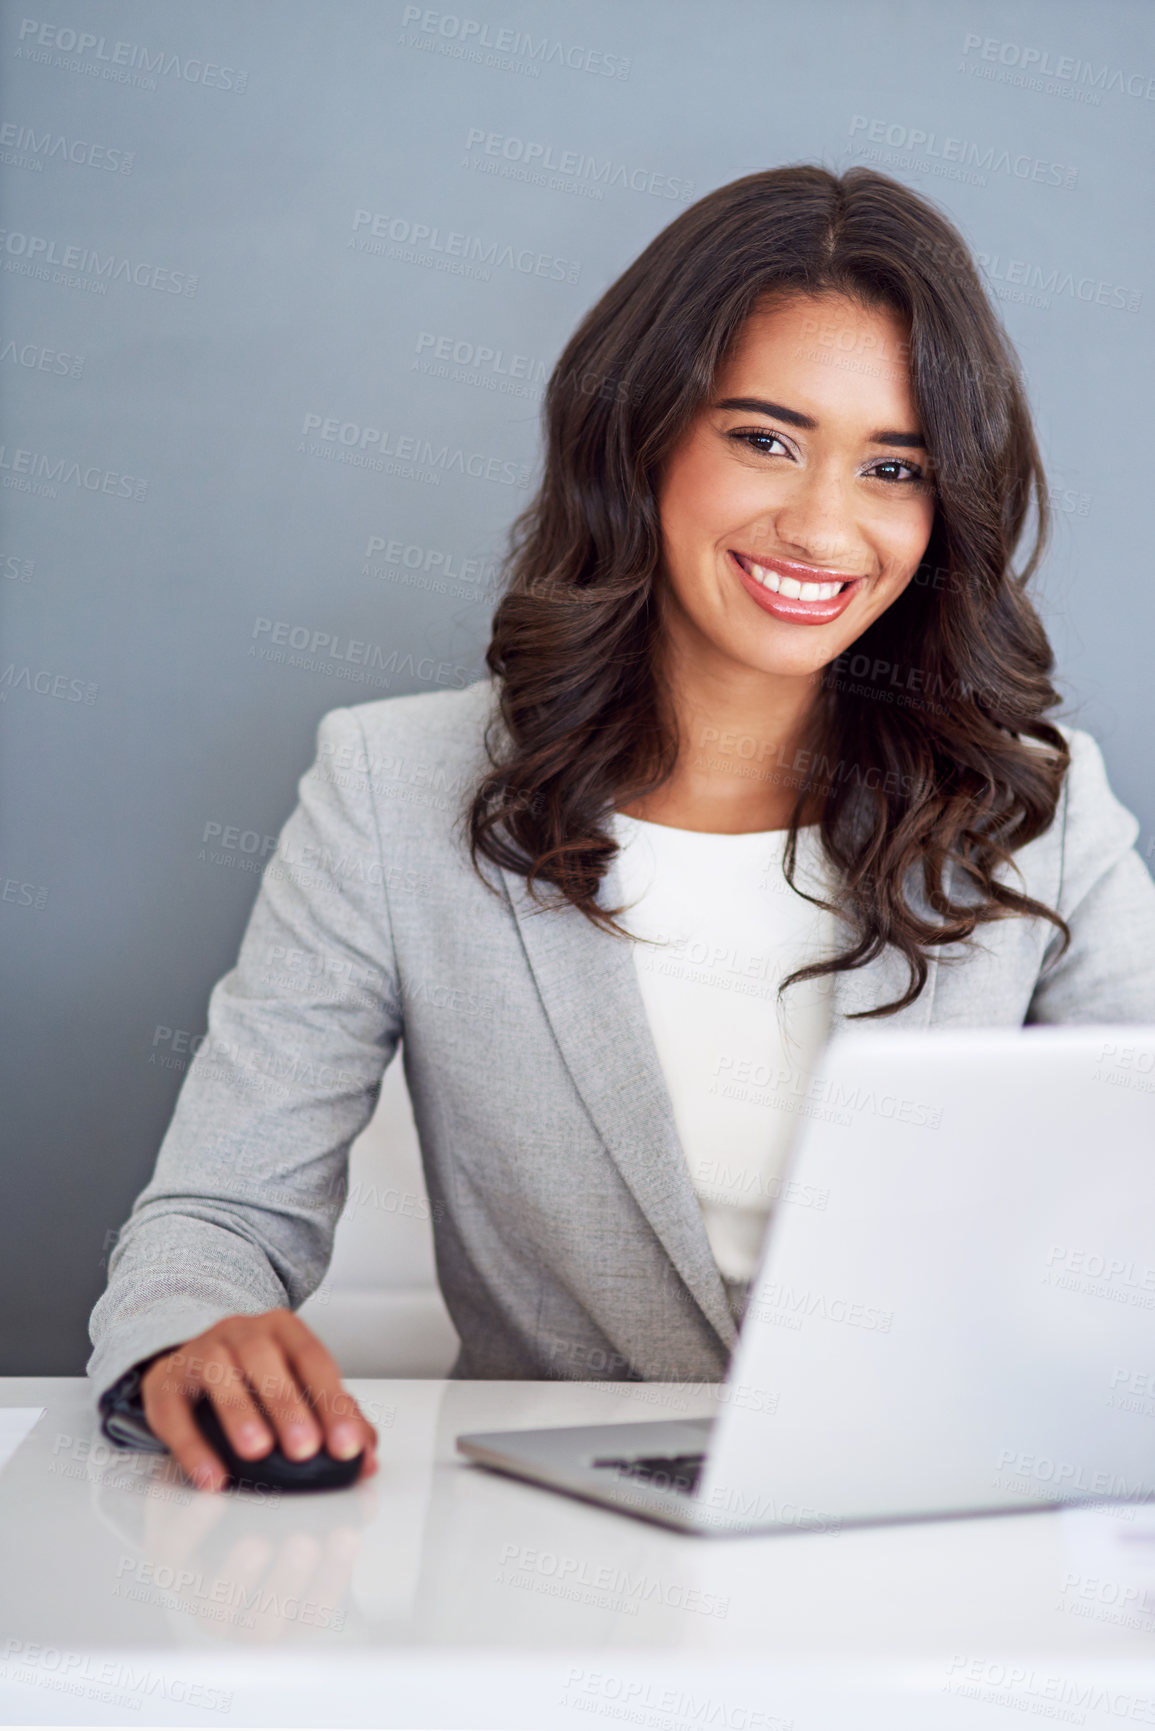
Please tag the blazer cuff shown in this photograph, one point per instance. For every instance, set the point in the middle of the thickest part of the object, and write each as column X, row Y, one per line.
column 122, row 1411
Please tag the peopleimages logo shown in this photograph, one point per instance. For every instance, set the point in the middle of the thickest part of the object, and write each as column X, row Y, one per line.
column 960, row 153
column 22, row 894
column 791, row 1307
column 1011, row 274
column 575, row 165
column 45, row 683
column 115, row 1682
column 345, row 657
column 121, row 62
column 480, row 364
column 424, row 243
column 1044, row 1694
column 40, row 358
column 38, row 472
column 24, row 147
column 368, row 446
column 427, row 567
column 32, row 254
column 1039, row 63
column 666, row 1706
column 503, row 45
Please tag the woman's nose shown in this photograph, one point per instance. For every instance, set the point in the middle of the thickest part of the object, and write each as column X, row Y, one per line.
column 813, row 524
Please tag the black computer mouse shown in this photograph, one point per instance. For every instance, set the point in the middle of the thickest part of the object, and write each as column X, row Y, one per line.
column 275, row 1471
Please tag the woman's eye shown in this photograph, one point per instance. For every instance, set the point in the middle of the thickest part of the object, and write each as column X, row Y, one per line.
column 893, row 470
column 759, row 441
column 913, row 472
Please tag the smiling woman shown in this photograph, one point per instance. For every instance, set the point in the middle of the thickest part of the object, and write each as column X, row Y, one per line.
column 835, row 455
column 818, row 524
column 818, row 439
column 764, row 680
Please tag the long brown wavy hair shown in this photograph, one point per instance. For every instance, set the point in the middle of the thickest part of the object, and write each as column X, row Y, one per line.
column 960, row 776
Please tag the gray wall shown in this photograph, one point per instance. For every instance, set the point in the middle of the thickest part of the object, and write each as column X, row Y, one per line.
column 212, row 448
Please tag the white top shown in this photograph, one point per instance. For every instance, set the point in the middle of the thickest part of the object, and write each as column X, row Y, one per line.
column 730, row 929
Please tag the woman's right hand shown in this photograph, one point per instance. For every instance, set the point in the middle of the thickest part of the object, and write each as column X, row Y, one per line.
column 273, row 1385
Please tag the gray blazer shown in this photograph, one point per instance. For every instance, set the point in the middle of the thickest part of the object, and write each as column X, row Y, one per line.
column 569, row 1240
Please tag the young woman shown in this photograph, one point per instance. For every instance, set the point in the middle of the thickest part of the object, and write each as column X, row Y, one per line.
column 763, row 753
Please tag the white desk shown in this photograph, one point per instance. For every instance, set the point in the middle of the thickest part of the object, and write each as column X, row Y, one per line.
column 442, row 1595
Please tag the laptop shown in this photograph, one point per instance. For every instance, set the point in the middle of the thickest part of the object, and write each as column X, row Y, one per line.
column 958, row 1319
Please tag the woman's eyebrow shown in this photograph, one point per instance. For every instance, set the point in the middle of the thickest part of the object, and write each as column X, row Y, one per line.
column 793, row 418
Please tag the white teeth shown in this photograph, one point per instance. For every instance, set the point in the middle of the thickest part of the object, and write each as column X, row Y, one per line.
column 792, row 589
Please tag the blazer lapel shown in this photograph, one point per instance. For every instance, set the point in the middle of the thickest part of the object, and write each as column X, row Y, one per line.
column 588, row 986
column 587, row 983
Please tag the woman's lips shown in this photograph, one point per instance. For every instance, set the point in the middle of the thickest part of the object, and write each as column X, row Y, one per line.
column 819, row 611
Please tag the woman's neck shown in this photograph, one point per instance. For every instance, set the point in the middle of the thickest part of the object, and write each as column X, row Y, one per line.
column 741, row 758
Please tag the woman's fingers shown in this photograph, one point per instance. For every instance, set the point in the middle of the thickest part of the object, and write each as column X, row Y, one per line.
column 168, row 1391
column 292, row 1423
column 346, row 1430
column 242, row 1418
column 273, row 1384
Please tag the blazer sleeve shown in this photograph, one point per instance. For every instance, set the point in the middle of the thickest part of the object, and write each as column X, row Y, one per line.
column 252, row 1173
column 1107, row 897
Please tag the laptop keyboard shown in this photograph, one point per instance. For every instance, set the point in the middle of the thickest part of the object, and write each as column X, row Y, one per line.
column 664, row 1472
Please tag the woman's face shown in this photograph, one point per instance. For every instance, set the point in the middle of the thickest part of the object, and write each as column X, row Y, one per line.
column 806, row 468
